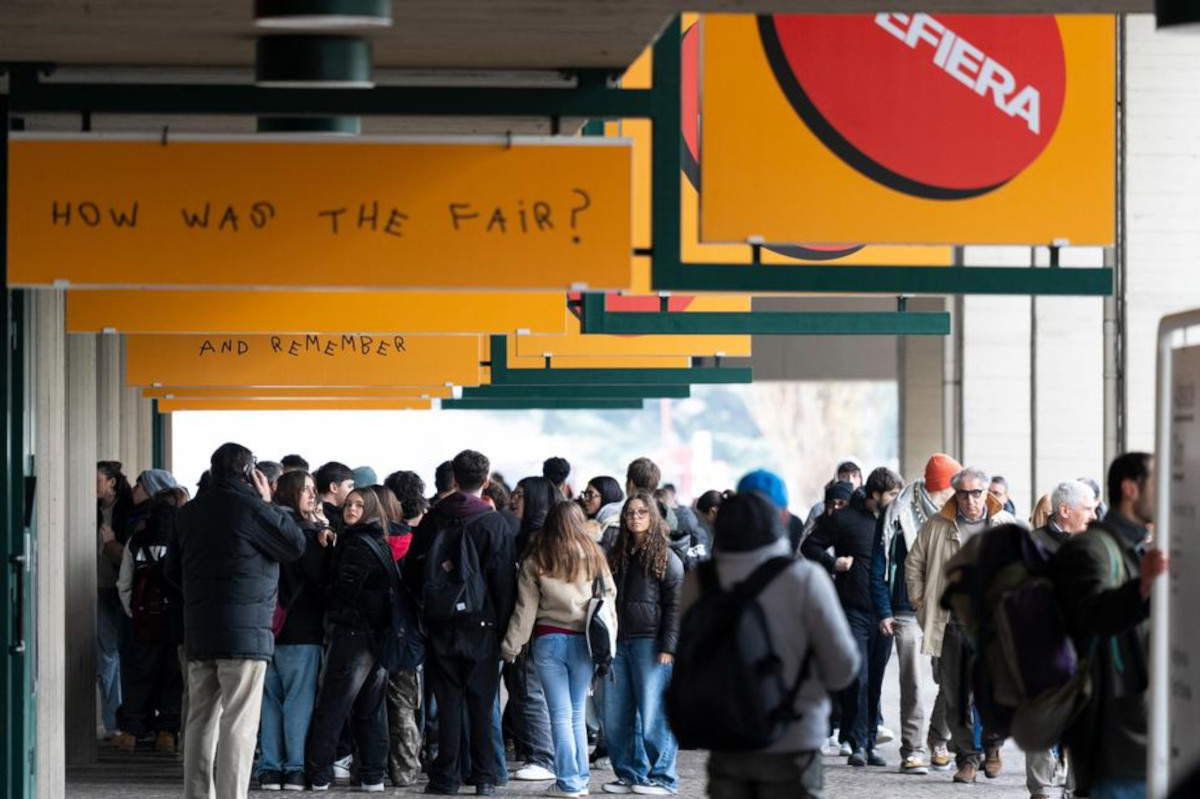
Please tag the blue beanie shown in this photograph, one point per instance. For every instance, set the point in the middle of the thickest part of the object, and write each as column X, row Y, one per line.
column 766, row 483
column 365, row 476
column 155, row 480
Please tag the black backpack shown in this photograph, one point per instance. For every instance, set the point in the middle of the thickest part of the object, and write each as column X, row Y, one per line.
column 454, row 588
column 400, row 645
column 728, row 691
column 148, row 603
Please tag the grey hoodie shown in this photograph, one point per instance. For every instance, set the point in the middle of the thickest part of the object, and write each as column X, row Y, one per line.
column 802, row 611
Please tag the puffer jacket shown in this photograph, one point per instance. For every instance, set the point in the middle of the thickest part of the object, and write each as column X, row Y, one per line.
column 361, row 589
column 925, row 568
column 228, row 549
column 648, row 607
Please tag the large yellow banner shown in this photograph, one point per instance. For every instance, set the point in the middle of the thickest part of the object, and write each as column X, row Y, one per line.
column 468, row 312
column 302, row 360
column 593, row 344
column 303, row 393
column 516, row 214
column 172, row 406
column 908, row 128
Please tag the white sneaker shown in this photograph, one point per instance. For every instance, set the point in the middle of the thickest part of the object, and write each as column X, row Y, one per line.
column 883, row 735
column 341, row 769
column 320, row 787
column 618, row 786
column 652, row 790
column 371, row 788
column 533, row 773
column 845, row 750
column 555, row 791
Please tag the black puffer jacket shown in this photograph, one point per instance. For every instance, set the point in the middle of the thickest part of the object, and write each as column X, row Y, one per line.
column 230, row 545
column 361, row 589
column 302, row 587
column 851, row 533
column 648, row 607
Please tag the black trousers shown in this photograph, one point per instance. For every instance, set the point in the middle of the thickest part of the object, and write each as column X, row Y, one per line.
column 860, row 710
column 459, row 683
column 353, row 686
column 151, row 689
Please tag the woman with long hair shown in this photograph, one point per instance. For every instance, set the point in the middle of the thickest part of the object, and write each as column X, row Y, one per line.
column 354, row 682
column 527, row 714
column 290, row 683
column 114, row 502
column 649, row 576
column 553, row 592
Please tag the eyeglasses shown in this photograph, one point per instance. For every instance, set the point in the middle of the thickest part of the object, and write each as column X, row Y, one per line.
column 589, row 494
column 517, row 495
column 637, row 513
column 962, row 493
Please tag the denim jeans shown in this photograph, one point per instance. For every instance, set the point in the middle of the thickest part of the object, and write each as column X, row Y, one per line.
column 1119, row 788
column 352, row 685
column 565, row 667
column 530, row 718
column 289, row 694
column 858, row 711
column 641, row 753
column 111, row 626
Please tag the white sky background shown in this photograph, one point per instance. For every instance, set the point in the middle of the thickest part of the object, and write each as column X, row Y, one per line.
column 706, row 441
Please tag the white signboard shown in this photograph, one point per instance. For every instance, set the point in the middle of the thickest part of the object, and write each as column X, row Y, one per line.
column 1183, row 655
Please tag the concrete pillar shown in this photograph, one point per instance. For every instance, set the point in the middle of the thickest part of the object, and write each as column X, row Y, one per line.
column 130, row 440
column 920, row 363
column 80, row 573
column 109, row 379
column 145, row 430
column 49, row 409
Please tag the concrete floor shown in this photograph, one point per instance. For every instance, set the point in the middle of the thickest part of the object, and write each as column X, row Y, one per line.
column 150, row 776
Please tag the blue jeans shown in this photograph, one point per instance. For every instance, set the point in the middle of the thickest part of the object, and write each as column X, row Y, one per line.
column 641, row 754
column 565, row 668
column 289, row 694
column 111, row 624
column 1119, row 788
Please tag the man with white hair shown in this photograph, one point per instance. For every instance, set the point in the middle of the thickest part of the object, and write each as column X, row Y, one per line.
column 970, row 511
column 1072, row 509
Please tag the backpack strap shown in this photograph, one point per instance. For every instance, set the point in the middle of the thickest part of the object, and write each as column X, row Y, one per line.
column 761, row 577
column 384, row 556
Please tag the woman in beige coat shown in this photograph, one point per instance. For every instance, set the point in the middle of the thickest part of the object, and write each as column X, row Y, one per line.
column 560, row 573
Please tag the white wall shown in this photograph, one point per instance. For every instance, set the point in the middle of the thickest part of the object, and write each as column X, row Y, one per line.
column 1162, row 201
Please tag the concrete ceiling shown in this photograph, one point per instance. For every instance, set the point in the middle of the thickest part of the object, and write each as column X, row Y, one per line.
column 472, row 34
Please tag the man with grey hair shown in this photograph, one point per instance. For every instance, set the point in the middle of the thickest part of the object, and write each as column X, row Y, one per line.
column 1072, row 509
column 970, row 511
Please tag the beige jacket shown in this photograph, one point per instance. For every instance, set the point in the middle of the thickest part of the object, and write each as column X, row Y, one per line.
column 925, row 568
column 542, row 599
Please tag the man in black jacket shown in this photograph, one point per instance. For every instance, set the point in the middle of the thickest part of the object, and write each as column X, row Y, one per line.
column 463, row 656
column 230, row 542
column 1104, row 577
column 851, row 533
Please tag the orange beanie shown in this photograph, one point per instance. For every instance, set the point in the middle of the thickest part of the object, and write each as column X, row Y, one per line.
column 938, row 471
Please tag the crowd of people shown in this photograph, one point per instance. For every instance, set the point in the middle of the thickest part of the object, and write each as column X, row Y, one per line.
column 288, row 629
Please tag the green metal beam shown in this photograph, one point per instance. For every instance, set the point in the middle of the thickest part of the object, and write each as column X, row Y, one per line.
column 541, row 404
column 502, row 375
column 587, row 391
column 158, row 429
column 597, row 319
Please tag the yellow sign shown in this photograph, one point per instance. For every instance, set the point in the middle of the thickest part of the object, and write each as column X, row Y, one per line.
column 171, row 406
column 524, row 214
column 302, row 360
column 592, row 344
column 693, row 250
column 306, row 393
column 471, row 312
column 908, row 128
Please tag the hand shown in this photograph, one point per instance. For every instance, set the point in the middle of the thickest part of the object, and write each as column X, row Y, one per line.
column 843, row 564
column 107, row 534
column 263, row 485
column 665, row 658
column 509, row 658
column 1154, row 565
column 887, row 626
column 327, row 537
